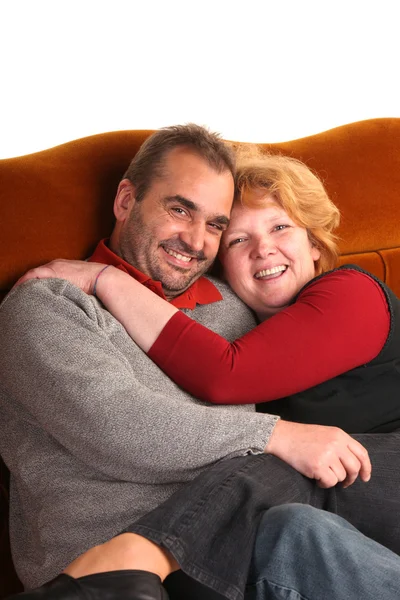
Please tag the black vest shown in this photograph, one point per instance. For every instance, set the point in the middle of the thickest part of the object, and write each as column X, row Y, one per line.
column 365, row 399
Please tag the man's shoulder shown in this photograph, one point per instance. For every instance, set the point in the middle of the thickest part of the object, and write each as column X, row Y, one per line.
column 39, row 298
column 224, row 289
column 230, row 317
column 34, row 289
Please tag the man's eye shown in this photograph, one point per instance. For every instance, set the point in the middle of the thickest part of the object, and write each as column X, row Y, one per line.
column 179, row 210
column 216, row 226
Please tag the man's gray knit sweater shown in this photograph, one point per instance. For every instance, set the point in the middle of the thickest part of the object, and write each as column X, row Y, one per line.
column 94, row 434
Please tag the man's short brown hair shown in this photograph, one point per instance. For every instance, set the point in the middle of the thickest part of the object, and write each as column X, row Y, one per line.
column 148, row 163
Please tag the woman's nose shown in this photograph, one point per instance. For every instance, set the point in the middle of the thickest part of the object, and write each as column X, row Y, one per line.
column 262, row 247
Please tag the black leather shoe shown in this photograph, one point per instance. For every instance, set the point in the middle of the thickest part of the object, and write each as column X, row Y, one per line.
column 113, row 585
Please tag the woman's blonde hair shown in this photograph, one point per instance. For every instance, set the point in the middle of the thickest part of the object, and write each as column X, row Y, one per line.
column 297, row 190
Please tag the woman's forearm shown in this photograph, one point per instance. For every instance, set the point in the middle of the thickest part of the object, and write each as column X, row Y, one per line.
column 142, row 313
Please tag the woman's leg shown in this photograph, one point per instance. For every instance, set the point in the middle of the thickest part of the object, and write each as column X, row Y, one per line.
column 125, row 551
column 127, row 567
column 210, row 525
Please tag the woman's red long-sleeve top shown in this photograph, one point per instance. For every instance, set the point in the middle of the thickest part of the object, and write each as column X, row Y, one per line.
column 337, row 323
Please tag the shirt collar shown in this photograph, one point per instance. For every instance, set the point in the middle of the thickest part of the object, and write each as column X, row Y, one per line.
column 201, row 291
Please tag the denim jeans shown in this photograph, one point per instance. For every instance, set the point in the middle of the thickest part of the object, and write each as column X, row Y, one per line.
column 210, row 525
column 303, row 553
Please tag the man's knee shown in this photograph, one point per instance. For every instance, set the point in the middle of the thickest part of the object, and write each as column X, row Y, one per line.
column 298, row 526
column 292, row 517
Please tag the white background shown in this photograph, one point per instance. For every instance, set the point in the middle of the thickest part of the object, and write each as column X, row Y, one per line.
column 253, row 70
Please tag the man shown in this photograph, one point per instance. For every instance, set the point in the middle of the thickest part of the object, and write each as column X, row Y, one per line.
column 93, row 433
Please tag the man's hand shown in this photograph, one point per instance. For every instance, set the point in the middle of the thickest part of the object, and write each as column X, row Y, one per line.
column 326, row 454
column 78, row 272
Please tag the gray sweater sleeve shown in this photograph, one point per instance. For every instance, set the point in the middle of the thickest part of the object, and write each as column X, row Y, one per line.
column 77, row 377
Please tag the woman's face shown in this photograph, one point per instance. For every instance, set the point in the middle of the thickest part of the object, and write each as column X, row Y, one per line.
column 266, row 257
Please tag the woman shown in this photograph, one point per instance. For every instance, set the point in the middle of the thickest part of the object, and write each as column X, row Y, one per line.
column 312, row 335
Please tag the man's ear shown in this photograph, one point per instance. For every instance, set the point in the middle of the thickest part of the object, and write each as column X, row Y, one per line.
column 124, row 200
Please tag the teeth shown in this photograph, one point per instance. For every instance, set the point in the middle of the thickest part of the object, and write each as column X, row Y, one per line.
column 270, row 271
column 178, row 256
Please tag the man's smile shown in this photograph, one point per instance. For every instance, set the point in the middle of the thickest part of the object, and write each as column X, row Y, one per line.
column 177, row 255
column 179, row 261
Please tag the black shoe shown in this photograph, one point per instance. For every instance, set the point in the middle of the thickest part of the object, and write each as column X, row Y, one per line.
column 113, row 585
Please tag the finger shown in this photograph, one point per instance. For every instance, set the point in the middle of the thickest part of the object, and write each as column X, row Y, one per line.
column 42, row 272
column 327, row 478
column 348, row 482
column 29, row 275
column 18, row 282
column 336, row 465
column 362, row 454
column 352, row 466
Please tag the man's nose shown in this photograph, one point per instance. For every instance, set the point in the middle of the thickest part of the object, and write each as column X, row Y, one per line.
column 194, row 236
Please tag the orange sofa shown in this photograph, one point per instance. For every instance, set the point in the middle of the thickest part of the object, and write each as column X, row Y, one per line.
column 58, row 203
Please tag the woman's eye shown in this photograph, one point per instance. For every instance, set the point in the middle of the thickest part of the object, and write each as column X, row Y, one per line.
column 236, row 241
column 280, row 227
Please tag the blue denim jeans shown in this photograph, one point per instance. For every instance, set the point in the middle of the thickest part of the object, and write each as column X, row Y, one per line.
column 210, row 525
column 303, row 553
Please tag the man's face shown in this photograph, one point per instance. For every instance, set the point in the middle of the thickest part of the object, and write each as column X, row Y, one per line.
column 173, row 233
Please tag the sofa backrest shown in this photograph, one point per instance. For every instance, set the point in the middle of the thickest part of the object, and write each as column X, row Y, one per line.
column 58, row 203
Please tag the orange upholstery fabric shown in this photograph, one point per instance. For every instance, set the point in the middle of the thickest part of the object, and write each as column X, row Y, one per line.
column 58, row 203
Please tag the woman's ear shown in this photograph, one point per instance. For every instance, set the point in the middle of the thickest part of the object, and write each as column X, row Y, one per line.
column 315, row 253
column 124, row 200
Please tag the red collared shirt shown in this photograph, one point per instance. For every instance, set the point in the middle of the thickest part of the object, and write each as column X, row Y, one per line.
column 201, row 291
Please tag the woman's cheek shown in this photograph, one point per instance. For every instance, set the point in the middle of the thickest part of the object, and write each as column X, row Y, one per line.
column 237, row 276
column 228, row 268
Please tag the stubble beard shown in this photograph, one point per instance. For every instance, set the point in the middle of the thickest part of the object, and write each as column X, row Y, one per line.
column 137, row 248
column 174, row 286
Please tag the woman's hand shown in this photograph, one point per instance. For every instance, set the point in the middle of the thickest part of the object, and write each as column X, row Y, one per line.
column 78, row 272
column 139, row 310
column 327, row 454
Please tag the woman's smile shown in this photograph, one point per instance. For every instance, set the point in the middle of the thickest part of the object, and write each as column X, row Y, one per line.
column 267, row 258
